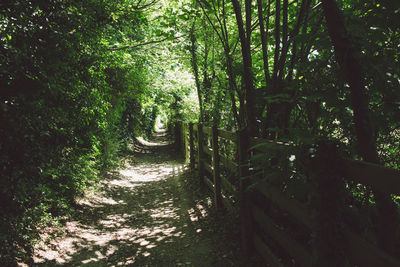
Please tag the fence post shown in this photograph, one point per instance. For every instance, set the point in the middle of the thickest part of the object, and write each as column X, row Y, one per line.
column 183, row 141
column 191, row 145
column 200, row 137
column 177, row 133
column 245, row 214
column 327, row 202
column 216, row 170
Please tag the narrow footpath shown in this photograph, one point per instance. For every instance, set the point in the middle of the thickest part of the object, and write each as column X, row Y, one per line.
column 144, row 214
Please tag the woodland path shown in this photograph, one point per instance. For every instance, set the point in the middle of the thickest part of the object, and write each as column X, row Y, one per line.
column 143, row 215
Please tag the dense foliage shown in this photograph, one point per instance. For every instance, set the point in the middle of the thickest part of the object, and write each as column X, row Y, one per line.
column 298, row 88
column 68, row 106
column 305, row 71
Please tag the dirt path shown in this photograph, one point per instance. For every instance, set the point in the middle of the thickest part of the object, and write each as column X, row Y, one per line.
column 143, row 215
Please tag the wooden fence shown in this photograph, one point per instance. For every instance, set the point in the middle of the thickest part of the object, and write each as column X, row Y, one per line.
column 283, row 230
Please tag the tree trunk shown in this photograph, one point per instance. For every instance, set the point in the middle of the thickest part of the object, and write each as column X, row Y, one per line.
column 277, row 38
column 264, row 37
column 196, row 70
column 232, row 87
column 247, row 62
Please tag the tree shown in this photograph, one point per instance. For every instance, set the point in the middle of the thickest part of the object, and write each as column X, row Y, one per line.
column 353, row 73
column 245, row 40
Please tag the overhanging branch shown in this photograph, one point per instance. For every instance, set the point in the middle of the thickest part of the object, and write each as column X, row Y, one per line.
column 145, row 43
column 137, row 7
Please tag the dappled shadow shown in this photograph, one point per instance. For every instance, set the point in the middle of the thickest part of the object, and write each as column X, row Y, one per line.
column 160, row 140
column 142, row 216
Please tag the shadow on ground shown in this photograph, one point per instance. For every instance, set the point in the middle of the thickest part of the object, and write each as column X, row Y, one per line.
column 142, row 216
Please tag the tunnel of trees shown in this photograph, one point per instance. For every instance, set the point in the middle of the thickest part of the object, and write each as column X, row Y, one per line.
column 80, row 80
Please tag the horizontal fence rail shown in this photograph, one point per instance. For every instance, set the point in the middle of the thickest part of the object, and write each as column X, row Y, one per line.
column 280, row 228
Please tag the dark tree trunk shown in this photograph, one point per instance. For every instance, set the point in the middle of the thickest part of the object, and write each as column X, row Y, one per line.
column 232, row 87
column 264, row 37
column 277, row 38
column 244, row 36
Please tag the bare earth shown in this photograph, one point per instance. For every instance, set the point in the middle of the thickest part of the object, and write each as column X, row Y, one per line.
column 144, row 215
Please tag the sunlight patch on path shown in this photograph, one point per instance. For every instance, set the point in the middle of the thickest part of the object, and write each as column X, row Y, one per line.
column 132, row 215
column 152, row 144
column 98, row 201
column 143, row 174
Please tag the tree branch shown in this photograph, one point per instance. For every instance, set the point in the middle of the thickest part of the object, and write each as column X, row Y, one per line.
column 145, row 43
column 137, row 7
